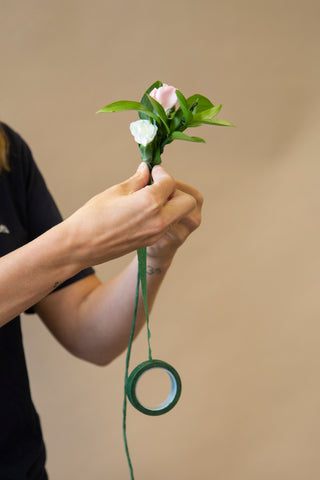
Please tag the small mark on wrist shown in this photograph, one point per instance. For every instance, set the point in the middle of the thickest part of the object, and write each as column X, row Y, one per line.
column 151, row 270
column 56, row 284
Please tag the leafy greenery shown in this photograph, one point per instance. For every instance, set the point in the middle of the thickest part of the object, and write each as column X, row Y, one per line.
column 183, row 136
column 125, row 105
column 193, row 111
column 184, row 107
column 202, row 103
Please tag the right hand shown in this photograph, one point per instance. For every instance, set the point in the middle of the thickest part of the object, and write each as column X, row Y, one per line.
column 125, row 217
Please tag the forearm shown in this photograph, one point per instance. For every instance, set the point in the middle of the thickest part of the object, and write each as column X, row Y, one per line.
column 32, row 271
column 104, row 317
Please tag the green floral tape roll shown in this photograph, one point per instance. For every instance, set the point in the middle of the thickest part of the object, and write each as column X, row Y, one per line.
column 173, row 396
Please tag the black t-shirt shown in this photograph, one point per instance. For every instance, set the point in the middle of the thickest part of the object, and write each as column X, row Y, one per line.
column 26, row 211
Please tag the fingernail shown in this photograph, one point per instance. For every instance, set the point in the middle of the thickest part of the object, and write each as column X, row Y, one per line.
column 141, row 167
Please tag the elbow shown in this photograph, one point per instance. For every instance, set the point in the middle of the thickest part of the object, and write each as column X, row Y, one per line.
column 99, row 355
column 99, row 360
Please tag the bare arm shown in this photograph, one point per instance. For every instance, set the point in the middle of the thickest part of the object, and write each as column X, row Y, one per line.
column 93, row 320
column 31, row 272
column 121, row 219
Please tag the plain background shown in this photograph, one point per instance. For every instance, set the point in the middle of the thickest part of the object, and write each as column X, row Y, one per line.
column 238, row 315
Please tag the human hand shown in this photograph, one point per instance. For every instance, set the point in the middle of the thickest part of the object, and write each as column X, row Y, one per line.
column 129, row 216
column 163, row 250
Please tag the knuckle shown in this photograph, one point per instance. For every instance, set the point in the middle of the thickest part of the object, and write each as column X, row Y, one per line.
column 199, row 198
column 152, row 202
column 194, row 223
column 122, row 188
column 172, row 182
column 193, row 202
column 197, row 222
column 117, row 189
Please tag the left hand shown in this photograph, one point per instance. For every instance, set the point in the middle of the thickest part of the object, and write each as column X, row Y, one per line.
column 163, row 251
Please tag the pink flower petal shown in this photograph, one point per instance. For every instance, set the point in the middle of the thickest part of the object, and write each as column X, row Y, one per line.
column 165, row 95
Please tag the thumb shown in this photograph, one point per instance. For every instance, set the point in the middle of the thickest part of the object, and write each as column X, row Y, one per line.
column 139, row 180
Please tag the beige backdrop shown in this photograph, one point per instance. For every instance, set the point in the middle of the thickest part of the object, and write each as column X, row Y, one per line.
column 239, row 313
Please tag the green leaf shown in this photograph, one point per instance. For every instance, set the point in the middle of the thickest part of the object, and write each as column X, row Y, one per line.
column 203, row 103
column 159, row 110
column 218, row 121
column 125, row 105
column 207, row 114
column 184, row 106
column 176, row 120
column 145, row 100
column 183, row 136
column 165, row 142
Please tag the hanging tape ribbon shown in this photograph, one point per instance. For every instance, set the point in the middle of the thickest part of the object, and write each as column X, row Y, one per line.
column 173, row 396
column 132, row 380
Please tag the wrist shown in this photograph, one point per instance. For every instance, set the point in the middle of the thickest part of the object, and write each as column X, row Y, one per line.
column 157, row 263
column 62, row 250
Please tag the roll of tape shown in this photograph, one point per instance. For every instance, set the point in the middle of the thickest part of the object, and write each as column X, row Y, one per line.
column 173, row 396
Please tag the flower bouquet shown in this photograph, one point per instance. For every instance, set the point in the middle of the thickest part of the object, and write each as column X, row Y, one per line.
column 164, row 116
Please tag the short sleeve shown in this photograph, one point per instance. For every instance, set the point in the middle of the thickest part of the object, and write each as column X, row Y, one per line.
column 38, row 208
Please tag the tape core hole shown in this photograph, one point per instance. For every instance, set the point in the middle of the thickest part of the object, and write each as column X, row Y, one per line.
column 158, row 384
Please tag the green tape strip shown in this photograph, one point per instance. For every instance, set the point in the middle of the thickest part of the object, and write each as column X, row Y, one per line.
column 130, row 382
column 171, row 400
column 142, row 275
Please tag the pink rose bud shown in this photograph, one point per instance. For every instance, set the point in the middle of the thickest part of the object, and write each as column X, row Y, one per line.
column 166, row 96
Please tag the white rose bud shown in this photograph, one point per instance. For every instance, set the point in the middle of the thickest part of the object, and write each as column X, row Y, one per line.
column 143, row 131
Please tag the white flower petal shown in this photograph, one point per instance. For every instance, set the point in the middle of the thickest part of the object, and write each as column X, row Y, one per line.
column 143, row 131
